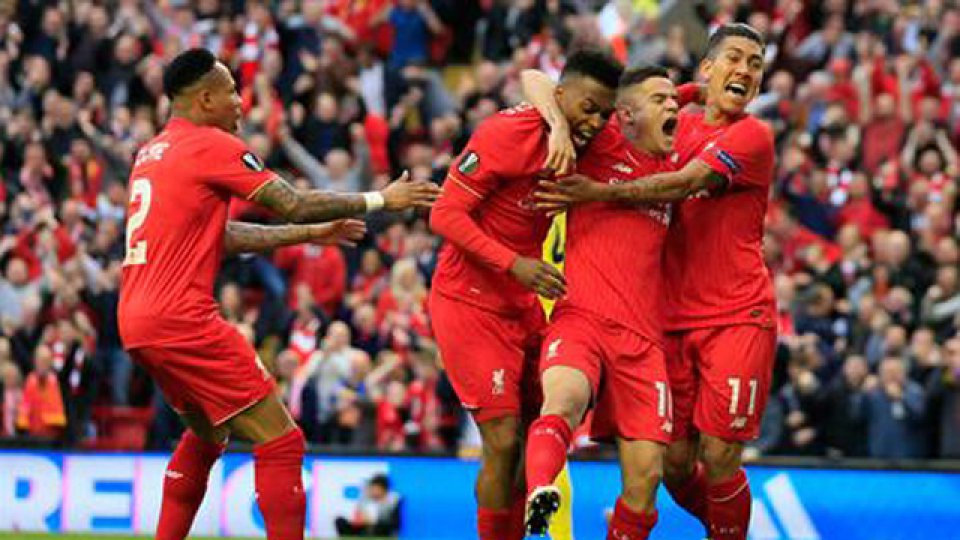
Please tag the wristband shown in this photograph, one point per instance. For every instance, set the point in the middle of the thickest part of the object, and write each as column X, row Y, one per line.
column 374, row 200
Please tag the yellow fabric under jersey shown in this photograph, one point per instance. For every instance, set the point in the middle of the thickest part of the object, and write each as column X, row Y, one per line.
column 561, row 526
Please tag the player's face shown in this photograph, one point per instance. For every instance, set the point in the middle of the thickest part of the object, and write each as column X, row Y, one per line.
column 733, row 75
column 651, row 112
column 222, row 100
column 587, row 105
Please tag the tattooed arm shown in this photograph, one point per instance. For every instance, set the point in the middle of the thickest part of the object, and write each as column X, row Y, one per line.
column 695, row 177
column 243, row 237
column 309, row 206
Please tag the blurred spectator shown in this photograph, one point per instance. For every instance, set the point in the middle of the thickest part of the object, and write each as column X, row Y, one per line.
column 377, row 512
column 844, row 410
column 896, row 409
column 943, row 389
column 42, row 412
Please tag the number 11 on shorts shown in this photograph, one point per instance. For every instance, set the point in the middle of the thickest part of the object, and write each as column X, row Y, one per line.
column 734, row 383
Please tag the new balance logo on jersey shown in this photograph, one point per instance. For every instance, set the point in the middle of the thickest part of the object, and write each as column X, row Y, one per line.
column 552, row 349
column 622, row 168
column 174, row 475
column 498, row 382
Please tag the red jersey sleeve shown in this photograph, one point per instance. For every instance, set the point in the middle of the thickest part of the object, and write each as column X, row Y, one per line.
column 504, row 147
column 228, row 165
column 742, row 154
column 451, row 218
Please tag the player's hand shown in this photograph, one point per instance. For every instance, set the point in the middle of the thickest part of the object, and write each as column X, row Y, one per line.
column 540, row 277
column 560, row 151
column 555, row 196
column 403, row 193
column 344, row 232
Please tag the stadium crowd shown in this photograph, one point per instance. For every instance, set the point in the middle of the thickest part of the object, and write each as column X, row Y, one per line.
column 863, row 95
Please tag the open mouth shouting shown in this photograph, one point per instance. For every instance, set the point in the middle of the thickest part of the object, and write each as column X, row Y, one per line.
column 737, row 89
column 582, row 136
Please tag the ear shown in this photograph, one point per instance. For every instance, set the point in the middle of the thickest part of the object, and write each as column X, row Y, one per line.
column 704, row 70
column 558, row 91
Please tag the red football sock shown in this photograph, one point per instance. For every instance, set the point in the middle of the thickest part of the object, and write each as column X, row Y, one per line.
column 547, row 445
column 518, row 517
column 277, row 477
column 185, row 484
column 691, row 495
column 493, row 524
column 728, row 508
column 628, row 524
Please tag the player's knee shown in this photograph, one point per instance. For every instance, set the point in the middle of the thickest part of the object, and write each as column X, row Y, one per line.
column 679, row 462
column 502, row 440
column 722, row 458
column 640, row 489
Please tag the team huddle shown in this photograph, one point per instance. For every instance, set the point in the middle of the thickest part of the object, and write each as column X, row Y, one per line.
column 664, row 322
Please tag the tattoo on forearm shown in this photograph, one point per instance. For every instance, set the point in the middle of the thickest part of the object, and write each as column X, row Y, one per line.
column 250, row 237
column 309, row 206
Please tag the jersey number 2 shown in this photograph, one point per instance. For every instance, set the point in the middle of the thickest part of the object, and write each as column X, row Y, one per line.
column 137, row 252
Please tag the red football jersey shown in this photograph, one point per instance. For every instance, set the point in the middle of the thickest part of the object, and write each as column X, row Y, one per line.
column 180, row 190
column 614, row 251
column 713, row 259
column 493, row 181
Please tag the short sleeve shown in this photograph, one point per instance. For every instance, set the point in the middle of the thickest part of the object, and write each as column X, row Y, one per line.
column 504, row 147
column 743, row 154
column 228, row 164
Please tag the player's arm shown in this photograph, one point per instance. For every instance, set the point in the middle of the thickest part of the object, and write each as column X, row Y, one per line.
column 310, row 206
column 243, row 237
column 539, row 90
column 694, row 178
column 452, row 219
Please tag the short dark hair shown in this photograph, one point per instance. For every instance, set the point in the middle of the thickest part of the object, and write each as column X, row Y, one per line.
column 733, row 30
column 596, row 64
column 187, row 68
column 638, row 74
column 381, row 480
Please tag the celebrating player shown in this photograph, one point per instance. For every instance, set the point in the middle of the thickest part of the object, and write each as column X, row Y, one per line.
column 605, row 342
column 483, row 302
column 720, row 314
column 177, row 232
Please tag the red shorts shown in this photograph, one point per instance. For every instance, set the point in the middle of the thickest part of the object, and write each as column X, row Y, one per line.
column 218, row 377
column 490, row 359
column 627, row 374
column 720, row 378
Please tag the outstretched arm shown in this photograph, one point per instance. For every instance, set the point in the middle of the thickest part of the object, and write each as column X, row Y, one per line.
column 243, row 237
column 308, row 206
column 662, row 187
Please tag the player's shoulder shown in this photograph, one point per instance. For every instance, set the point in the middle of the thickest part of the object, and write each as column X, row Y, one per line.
column 751, row 122
column 522, row 119
column 208, row 138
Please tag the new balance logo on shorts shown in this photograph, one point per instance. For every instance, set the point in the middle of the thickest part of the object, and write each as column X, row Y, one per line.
column 739, row 422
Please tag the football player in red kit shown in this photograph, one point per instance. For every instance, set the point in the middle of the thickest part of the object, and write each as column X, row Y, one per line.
column 177, row 232
column 720, row 311
column 483, row 302
column 605, row 341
